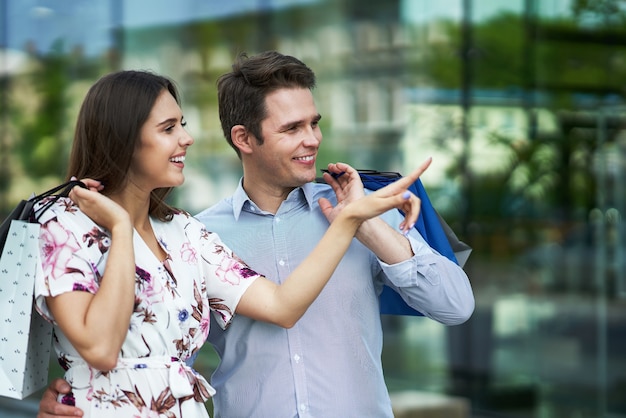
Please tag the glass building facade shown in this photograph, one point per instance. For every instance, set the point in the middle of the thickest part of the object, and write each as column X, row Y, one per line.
column 521, row 104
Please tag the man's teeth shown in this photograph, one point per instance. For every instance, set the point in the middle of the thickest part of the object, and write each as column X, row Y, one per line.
column 180, row 159
column 308, row 158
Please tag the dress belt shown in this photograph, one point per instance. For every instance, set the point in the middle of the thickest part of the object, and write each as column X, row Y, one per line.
column 182, row 378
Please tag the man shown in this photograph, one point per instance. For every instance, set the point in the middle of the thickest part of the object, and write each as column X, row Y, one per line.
column 329, row 363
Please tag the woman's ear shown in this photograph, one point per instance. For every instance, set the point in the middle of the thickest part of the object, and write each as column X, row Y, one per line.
column 241, row 138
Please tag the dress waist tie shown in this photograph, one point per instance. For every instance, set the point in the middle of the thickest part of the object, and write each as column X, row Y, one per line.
column 183, row 380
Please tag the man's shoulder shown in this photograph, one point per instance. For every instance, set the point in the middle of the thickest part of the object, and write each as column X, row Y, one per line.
column 224, row 206
column 220, row 213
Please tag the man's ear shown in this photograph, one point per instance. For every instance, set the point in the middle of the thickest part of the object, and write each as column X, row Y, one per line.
column 241, row 138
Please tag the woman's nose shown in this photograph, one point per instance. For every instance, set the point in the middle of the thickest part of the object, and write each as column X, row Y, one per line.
column 186, row 139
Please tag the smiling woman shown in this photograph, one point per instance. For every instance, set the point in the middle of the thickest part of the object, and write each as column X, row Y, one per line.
column 158, row 160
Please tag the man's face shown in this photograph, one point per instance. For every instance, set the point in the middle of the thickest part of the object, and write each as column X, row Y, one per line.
column 292, row 136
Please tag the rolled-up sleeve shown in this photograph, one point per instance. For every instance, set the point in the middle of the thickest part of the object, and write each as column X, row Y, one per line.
column 431, row 283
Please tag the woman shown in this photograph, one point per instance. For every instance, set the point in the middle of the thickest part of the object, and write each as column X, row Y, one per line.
column 129, row 282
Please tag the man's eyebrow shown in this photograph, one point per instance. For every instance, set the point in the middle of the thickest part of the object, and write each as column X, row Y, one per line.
column 292, row 123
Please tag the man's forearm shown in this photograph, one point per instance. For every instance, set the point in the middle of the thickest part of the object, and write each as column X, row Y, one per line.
column 389, row 245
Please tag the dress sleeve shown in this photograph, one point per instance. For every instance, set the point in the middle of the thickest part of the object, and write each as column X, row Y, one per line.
column 227, row 277
column 71, row 247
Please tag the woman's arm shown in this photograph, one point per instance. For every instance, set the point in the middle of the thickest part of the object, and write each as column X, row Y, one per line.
column 97, row 324
column 284, row 304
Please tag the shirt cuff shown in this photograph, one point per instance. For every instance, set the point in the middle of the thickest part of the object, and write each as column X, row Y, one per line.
column 408, row 273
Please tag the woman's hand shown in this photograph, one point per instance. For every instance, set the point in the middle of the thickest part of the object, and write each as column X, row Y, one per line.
column 351, row 197
column 91, row 184
column 100, row 208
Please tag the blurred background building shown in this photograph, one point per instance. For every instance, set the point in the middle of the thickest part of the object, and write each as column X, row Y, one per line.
column 520, row 102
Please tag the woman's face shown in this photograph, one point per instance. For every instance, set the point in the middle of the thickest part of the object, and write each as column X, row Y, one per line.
column 159, row 158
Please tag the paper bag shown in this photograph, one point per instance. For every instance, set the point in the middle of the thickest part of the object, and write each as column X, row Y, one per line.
column 461, row 250
column 432, row 227
column 25, row 337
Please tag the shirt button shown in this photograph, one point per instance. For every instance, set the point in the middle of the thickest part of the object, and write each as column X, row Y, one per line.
column 302, row 407
column 277, row 219
column 296, row 358
column 281, row 262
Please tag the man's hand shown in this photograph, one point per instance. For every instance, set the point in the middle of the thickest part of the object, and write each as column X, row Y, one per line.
column 49, row 406
column 347, row 185
column 348, row 188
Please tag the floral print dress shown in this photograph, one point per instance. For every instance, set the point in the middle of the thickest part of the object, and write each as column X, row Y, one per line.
column 170, row 322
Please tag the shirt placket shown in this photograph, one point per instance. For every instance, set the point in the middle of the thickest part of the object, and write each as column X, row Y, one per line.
column 296, row 356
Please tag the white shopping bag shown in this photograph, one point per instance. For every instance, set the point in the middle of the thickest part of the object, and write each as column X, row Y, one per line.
column 25, row 337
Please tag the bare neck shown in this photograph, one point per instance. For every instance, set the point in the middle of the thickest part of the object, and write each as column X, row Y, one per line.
column 267, row 197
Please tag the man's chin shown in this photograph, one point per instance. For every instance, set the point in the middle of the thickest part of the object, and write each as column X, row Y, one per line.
column 309, row 177
column 302, row 180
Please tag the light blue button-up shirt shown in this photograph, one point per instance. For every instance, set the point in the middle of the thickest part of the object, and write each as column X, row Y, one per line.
column 329, row 364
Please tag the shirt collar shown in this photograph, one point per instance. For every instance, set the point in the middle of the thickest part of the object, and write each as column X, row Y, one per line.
column 309, row 194
column 241, row 199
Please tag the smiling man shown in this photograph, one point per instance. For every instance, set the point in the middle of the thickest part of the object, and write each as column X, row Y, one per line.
column 329, row 363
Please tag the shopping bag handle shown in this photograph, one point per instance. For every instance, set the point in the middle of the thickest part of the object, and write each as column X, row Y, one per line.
column 24, row 209
column 62, row 190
